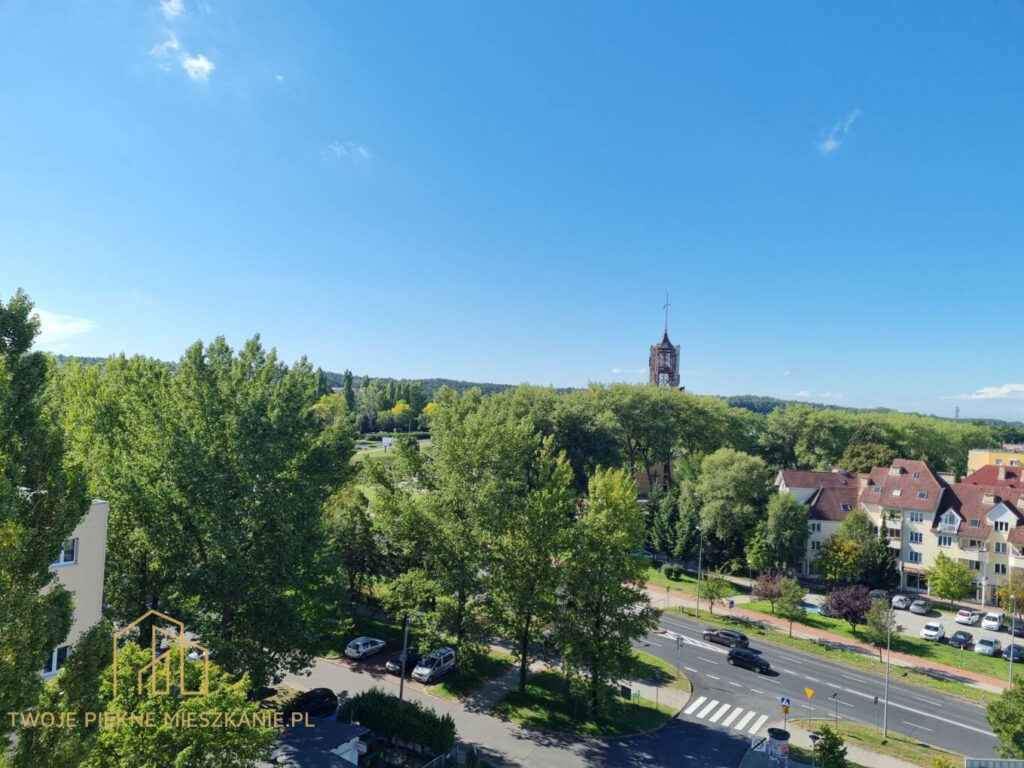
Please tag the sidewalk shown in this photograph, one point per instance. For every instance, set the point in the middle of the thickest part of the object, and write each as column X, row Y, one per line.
column 658, row 597
column 854, row 754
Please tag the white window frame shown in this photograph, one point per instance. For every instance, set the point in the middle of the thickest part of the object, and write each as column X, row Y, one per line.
column 917, row 517
column 945, row 541
column 61, row 557
column 1001, row 526
column 916, row 537
column 1000, row 548
column 55, row 663
column 999, row 568
column 913, row 557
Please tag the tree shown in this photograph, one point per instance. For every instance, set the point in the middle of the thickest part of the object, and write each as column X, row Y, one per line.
column 950, row 579
column 351, row 544
column 768, row 586
column 715, row 589
column 664, row 528
column 43, row 496
column 856, row 528
column 1012, row 592
column 347, row 391
column 602, row 605
column 863, row 457
column 781, row 540
column 1006, row 717
column 879, row 623
column 403, row 414
column 733, row 489
column 878, row 565
column 831, row 748
column 839, row 560
column 790, row 603
column 848, row 603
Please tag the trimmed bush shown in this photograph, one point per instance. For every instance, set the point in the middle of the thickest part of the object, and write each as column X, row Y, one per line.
column 672, row 571
column 410, row 721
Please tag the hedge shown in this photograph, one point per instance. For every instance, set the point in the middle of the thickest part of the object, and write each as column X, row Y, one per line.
column 409, row 721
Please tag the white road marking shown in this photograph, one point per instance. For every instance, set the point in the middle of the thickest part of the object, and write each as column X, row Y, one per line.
column 689, row 669
column 787, row 671
column 926, row 701
column 812, row 679
column 832, row 684
column 712, row 677
column 695, row 704
column 732, row 716
column 717, row 716
column 853, row 677
column 736, row 684
column 807, row 706
column 704, row 712
column 757, row 726
column 790, row 658
column 709, row 661
column 746, row 719
column 754, row 690
column 915, row 725
column 941, row 719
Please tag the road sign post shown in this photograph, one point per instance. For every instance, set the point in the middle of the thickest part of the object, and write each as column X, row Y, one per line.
column 732, row 603
column 679, row 648
column 785, row 703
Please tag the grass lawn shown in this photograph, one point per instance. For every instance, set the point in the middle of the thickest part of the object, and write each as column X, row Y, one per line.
column 472, row 672
column 648, row 667
column 867, row 663
column 942, row 653
column 686, row 583
column 546, row 706
column 896, row 745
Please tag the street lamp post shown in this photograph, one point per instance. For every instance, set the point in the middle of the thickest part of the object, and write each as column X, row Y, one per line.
column 700, row 563
column 814, row 748
column 888, row 658
column 835, row 698
column 1013, row 622
column 405, row 650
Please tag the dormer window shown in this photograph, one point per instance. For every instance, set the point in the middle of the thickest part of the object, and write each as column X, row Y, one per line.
column 1002, row 526
column 916, row 475
column 895, row 470
column 975, row 523
column 897, row 492
column 922, row 494
column 989, row 498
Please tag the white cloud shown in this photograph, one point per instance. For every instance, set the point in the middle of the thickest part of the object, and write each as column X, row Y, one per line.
column 1004, row 392
column 172, row 8
column 163, row 51
column 835, row 137
column 627, row 371
column 56, row 330
column 198, row 67
column 803, row 393
column 279, row 78
column 831, row 395
column 354, row 152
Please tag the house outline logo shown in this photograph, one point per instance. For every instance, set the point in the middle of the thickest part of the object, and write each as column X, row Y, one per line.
column 162, row 663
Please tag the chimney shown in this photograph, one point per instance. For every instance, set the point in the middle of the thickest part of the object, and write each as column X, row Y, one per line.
column 990, row 498
column 1002, row 472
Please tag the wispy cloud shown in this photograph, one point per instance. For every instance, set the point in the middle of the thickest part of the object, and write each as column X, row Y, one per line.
column 56, row 330
column 279, row 78
column 627, row 371
column 164, row 52
column 803, row 393
column 197, row 67
column 831, row 395
column 1004, row 392
column 348, row 149
column 837, row 135
column 172, row 8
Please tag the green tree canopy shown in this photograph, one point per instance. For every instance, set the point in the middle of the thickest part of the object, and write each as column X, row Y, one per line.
column 950, row 579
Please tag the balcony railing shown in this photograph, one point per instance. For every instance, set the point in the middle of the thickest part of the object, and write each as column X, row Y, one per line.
column 948, row 527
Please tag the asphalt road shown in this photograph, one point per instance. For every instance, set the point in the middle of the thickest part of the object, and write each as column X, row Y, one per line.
column 742, row 703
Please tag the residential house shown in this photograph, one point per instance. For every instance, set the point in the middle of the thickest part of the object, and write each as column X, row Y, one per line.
column 79, row 567
column 996, row 475
column 829, row 497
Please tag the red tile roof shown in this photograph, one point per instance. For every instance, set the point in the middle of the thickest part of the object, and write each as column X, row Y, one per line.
column 833, row 503
column 989, row 475
column 970, row 501
column 908, row 487
column 806, row 478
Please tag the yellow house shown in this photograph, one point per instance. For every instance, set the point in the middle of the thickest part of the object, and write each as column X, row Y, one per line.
column 1007, row 456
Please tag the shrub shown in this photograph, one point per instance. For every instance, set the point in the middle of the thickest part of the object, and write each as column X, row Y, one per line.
column 672, row 571
column 409, row 721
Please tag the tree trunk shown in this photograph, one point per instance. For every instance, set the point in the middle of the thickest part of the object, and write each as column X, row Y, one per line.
column 524, row 654
column 227, row 617
column 459, row 617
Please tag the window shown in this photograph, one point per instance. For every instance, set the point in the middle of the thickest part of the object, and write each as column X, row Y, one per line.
column 847, row 507
column 917, row 517
column 916, row 537
column 815, row 546
column 975, row 522
column 973, row 543
column 68, row 554
column 945, row 541
column 897, row 492
column 916, row 475
column 973, row 565
column 1015, row 463
column 1000, row 568
column 922, row 494
column 999, row 462
column 877, row 489
column 814, row 527
column 1002, row 526
column 1000, row 548
column 57, row 660
column 913, row 557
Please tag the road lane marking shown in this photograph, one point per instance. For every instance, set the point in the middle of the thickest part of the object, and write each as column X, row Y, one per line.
column 813, row 679
column 736, row 684
column 806, row 706
column 915, row 725
column 732, row 716
column 787, row 671
column 712, row 677
column 832, row 684
column 709, row 661
column 746, row 719
column 690, row 669
column 941, row 719
column 853, row 677
column 926, row 701
column 695, row 704
column 754, row 690
column 757, row 726
column 717, row 716
column 704, row 712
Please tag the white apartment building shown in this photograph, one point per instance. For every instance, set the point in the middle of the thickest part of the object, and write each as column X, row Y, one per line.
column 829, row 496
column 79, row 567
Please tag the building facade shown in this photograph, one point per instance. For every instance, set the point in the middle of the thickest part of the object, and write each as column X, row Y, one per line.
column 1006, row 456
column 829, row 497
column 79, row 567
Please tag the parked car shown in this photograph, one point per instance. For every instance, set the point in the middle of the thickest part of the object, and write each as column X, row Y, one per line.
column 362, row 647
column 436, row 665
column 921, row 607
column 729, row 637
column 1016, row 628
column 967, row 617
column 411, row 657
column 318, row 702
column 1016, row 651
column 901, row 601
column 744, row 657
column 879, row 594
column 986, row 646
column 961, row 639
column 992, row 621
column 933, row 630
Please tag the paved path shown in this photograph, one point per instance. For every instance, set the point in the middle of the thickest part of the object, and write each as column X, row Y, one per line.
column 854, row 754
column 660, row 599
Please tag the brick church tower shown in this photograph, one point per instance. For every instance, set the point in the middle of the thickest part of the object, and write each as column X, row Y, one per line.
column 664, row 363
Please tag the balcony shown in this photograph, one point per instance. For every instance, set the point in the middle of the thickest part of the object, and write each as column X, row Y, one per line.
column 893, row 534
column 948, row 527
column 1016, row 561
column 971, row 553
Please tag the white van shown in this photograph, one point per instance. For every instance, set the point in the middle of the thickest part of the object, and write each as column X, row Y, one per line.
column 435, row 665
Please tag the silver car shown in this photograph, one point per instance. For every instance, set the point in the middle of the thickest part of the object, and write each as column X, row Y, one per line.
column 362, row 647
column 986, row 646
column 901, row 601
column 920, row 607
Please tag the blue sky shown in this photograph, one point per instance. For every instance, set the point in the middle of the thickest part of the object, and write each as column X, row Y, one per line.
column 831, row 192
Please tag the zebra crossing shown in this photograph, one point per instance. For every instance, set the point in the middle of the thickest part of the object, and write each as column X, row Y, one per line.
column 737, row 718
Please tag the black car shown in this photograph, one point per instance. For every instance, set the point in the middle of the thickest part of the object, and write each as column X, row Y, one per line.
column 319, row 702
column 727, row 637
column 1017, row 628
column 1016, row 651
column 961, row 639
column 412, row 658
column 744, row 657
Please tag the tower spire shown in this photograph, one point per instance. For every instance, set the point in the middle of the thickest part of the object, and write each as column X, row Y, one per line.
column 667, row 305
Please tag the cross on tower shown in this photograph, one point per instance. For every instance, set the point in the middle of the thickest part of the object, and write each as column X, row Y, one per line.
column 667, row 305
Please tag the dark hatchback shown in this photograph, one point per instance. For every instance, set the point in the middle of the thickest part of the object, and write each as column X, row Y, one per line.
column 412, row 658
column 319, row 702
column 1016, row 628
column 1014, row 651
column 744, row 657
column 961, row 639
column 727, row 637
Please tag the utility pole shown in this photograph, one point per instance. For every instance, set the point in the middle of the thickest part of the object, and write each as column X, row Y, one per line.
column 405, row 650
column 700, row 563
column 1013, row 623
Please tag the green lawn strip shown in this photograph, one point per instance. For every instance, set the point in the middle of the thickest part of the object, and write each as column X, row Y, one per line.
column 546, row 706
column 278, row 698
column 686, row 583
column 472, row 671
column 647, row 665
column 895, row 746
column 867, row 663
column 912, row 646
column 803, row 755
